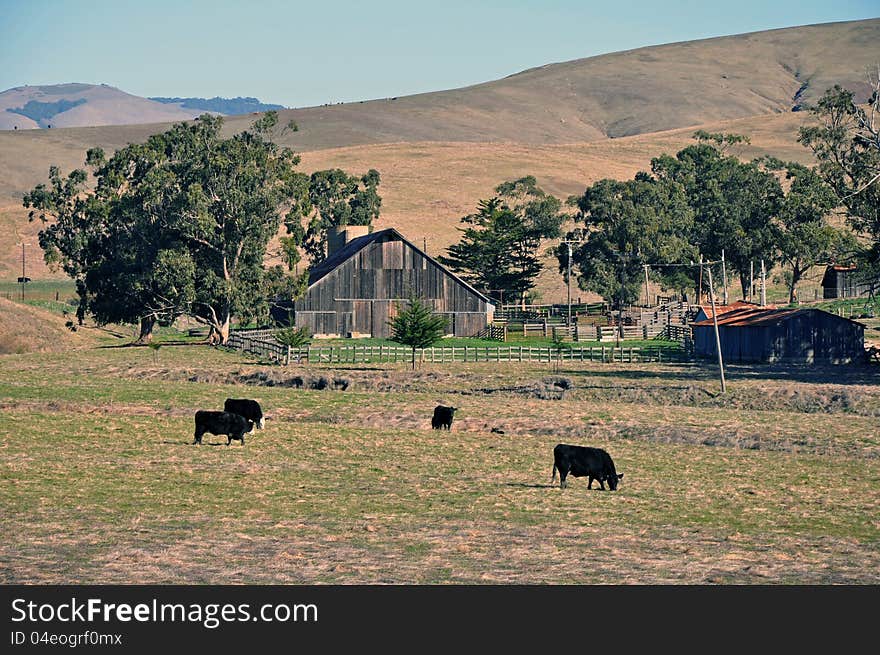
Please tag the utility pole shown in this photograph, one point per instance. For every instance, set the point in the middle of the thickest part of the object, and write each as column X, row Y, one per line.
column 568, row 280
column 620, row 309
column 700, row 283
column 623, row 257
column 647, row 297
column 24, row 279
column 568, row 243
column 717, row 336
column 751, row 278
column 763, row 285
column 724, row 278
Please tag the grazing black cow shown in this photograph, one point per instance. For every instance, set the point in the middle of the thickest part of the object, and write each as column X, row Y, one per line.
column 582, row 461
column 234, row 426
column 250, row 409
column 442, row 417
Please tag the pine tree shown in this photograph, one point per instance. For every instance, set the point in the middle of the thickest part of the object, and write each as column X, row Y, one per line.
column 417, row 326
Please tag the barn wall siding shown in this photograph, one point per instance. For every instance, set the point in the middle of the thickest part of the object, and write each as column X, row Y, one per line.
column 359, row 295
column 814, row 337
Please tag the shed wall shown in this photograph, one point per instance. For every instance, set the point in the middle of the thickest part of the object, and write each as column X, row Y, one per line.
column 816, row 337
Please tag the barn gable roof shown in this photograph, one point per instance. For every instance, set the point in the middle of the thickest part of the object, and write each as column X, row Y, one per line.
column 357, row 244
column 751, row 317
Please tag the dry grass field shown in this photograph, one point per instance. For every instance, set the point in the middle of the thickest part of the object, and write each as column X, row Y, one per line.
column 778, row 482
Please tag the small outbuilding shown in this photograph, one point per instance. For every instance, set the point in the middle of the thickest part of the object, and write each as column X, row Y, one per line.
column 796, row 336
column 356, row 290
column 843, row 282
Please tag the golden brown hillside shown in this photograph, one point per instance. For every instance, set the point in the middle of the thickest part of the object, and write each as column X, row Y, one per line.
column 29, row 329
column 427, row 187
column 626, row 93
column 620, row 94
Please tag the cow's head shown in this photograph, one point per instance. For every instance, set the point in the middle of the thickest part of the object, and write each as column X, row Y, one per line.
column 262, row 423
column 613, row 480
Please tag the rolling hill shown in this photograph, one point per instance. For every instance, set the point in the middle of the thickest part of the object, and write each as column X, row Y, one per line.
column 568, row 124
column 72, row 105
column 89, row 105
column 621, row 94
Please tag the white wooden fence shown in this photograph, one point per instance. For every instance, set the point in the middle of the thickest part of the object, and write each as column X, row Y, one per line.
column 265, row 347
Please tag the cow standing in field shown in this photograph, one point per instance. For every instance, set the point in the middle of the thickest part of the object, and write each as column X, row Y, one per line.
column 580, row 461
column 234, row 426
column 250, row 409
column 442, row 417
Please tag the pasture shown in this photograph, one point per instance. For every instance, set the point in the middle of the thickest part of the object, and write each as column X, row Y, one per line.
column 778, row 482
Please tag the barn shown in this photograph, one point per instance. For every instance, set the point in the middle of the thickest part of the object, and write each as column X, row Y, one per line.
column 355, row 290
column 796, row 336
column 843, row 282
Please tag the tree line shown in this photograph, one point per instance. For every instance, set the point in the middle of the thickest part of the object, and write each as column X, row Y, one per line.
column 181, row 225
column 703, row 202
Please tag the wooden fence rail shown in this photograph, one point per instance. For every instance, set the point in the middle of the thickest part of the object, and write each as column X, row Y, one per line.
column 267, row 348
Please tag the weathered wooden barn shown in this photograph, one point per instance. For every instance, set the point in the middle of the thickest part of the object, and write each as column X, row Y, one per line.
column 356, row 290
column 796, row 336
column 843, row 282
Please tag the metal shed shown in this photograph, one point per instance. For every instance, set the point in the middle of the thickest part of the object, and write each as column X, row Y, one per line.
column 798, row 336
column 355, row 291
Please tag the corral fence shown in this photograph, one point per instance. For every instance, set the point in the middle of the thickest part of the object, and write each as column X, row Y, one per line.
column 265, row 347
column 586, row 332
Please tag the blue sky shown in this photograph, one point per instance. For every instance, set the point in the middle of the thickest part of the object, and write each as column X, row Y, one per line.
column 310, row 53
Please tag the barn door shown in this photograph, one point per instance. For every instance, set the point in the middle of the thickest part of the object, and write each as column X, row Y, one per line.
column 346, row 321
column 362, row 317
column 383, row 311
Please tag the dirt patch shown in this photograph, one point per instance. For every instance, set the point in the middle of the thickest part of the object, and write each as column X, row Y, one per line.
column 822, row 399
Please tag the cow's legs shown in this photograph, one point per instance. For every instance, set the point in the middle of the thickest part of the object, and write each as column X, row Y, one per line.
column 562, row 475
column 602, row 483
column 198, row 438
column 590, row 482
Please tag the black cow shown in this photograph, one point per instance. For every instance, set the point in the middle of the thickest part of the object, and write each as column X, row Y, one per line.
column 582, row 461
column 234, row 426
column 250, row 409
column 442, row 417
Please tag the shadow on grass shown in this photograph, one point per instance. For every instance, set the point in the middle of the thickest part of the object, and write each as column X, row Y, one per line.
column 526, row 485
column 159, row 343
column 190, row 443
column 843, row 374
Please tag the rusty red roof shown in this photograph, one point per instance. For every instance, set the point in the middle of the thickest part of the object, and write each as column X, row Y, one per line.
column 749, row 317
column 737, row 304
